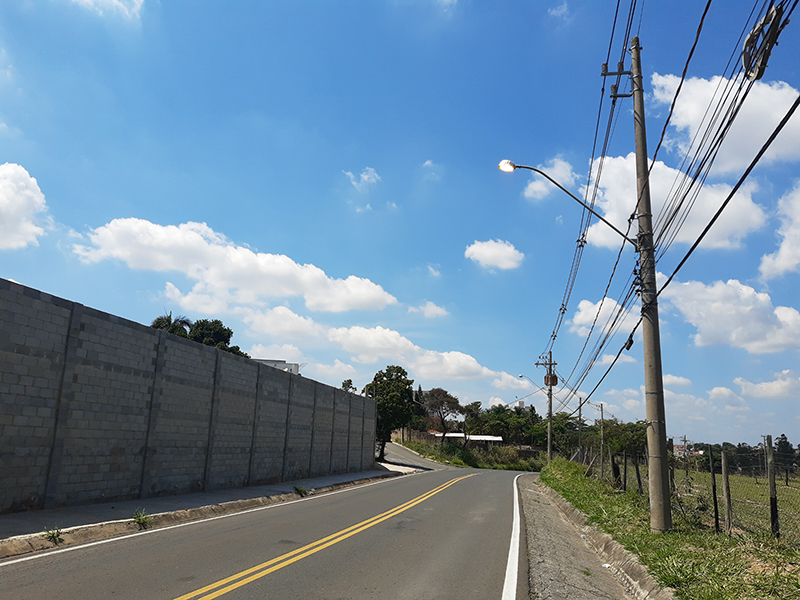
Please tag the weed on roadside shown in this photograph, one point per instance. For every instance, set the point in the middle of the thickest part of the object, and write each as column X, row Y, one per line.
column 142, row 519
column 300, row 491
column 53, row 535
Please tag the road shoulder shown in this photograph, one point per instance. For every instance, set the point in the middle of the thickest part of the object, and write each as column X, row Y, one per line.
column 569, row 559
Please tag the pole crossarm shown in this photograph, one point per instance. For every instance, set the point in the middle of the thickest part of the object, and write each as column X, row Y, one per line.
column 507, row 165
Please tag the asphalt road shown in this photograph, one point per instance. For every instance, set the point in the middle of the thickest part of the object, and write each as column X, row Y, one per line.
column 444, row 533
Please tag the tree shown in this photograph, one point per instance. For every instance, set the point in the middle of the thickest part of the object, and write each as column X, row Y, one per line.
column 177, row 326
column 784, row 451
column 394, row 400
column 347, row 386
column 441, row 405
column 212, row 332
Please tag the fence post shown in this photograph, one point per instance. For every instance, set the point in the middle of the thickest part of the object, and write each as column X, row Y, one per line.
column 773, row 491
column 624, row 470
column 638, row 474
column 726, row 494
column 713, row 488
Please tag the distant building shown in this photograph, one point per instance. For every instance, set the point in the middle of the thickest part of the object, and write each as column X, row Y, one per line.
column 293, row 368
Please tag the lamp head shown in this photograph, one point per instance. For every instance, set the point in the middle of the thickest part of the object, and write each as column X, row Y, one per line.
column 506, row 166
column 520, row 376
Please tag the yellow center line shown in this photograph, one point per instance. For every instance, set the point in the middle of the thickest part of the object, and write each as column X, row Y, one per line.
column 258, row 571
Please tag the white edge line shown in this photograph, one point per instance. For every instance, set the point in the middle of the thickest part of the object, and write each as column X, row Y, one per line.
column 510, row 585
column 177, row 525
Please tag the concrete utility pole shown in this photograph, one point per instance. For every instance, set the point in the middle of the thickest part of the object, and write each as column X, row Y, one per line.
column 658, row 463
column 550, row 379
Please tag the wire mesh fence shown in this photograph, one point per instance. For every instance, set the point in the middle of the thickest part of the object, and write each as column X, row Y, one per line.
column 754, row 507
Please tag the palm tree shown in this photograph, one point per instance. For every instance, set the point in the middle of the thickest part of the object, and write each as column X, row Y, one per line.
column 177, row 326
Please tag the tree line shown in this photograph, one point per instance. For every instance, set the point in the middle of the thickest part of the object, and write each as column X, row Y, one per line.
column 399, row 405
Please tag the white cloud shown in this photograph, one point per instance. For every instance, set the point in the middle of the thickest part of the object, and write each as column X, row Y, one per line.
column 282, row 322
column 787, row 258
column 561, row 11
column 509, row 382
column 127, row 8
column 765, row 106
column 494, row 254
column 586, row 313
column 433, row 272
column 608, row 359
column 23, row 211
column 785, row 385
column 287, row 352
column 368, row 178
column 734, row 314
column 495, row 401
column 225, row 272
column 676, row 380
column 448, row 365
column 616, row 200
column 431, row 171
column 368, row 346
column 429, row 310
column 558, row 169
column 337, row 369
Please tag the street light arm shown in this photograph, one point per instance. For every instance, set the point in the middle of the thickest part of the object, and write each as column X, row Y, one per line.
column 508, row 166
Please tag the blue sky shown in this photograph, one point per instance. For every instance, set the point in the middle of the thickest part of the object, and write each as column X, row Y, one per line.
column 322, row 176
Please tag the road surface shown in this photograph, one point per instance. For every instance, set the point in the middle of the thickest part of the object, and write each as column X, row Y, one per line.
column 443, row 533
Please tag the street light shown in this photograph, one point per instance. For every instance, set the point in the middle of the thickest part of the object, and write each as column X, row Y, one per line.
column 657, row 459
column 507, row 167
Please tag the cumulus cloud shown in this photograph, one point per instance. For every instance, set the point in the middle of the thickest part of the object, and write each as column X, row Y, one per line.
column 587, row 311
column 608, row 359
column 734, row 314
column 787, row 258
column 288, row 352
column 676, row 380
column 616, row 200
column 369, row 177
column 764, row 107
column 282, row 322
column 337, row 369
column 23, row 210
column 494, row 254
column 127, row 8
column 429, row 310
column 558, row 169
column 225, row 273
column 510, row 382
column 785, row 385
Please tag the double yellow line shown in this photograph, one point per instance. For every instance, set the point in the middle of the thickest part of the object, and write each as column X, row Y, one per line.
column 243, row 578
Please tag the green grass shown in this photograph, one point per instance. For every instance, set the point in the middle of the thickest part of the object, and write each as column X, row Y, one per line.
column 692, row 559
column 454, row 453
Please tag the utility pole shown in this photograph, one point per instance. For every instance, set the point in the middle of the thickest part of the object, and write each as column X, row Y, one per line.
column 580, row 426
column 658, row 464
column 550, row 379
column 657, row 458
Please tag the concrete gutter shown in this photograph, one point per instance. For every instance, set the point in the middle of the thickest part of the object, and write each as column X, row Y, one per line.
column 81, row 534
column 624, row 564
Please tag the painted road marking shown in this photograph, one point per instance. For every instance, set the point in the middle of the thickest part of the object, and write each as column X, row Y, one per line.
column 510, row 585
column 238, row 580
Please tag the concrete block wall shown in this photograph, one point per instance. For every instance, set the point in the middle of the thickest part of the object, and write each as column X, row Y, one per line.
column 95, row 408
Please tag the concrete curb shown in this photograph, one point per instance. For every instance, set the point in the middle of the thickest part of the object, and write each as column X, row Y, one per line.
column 81, row 534
column 624, row 564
